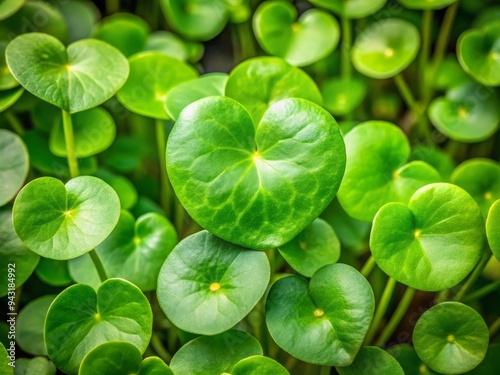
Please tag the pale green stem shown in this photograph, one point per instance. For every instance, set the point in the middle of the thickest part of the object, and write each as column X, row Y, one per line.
column 98, row 265
column 407, row 95
column 424, row 51
column 474, row 276
column 165, row 188
column 368, row 267
column 381, row 309
column 345, row 55
column 70, row 144
column 485, row 290
column 160, row 348
column 14, row 122
column 494, row 327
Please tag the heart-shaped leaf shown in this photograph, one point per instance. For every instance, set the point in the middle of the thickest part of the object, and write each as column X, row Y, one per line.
column 376, row 172
column 426, row 4
column 9, row 7
column 372, row 360
column 152, row 76
column 478, row 52
column 125, row 31
column 480, row 177
column 212, row 84
column 493, row 228
column 64, row 221
column 451, row 338
column 351, row 8
column 79, row 320
column 13, row 251
column 94, row 131
column 66, row 77
column 262, row 81
column 464, row 119
column 432, row 243
column 118, row 358
column 409, row 360
column 258, row 365
column 127, row 193
column 9, row 97
column 386, row 48
column 53, row 272
column 324, row 321
column 7, row 81
column 14, row 161
column 203, row 296
column 303, row 41
column 342, row 96
column 29, row 335
column 314, row 247
column 214, row 355
column 37, row 365
column 5, row 362
column 255, row 186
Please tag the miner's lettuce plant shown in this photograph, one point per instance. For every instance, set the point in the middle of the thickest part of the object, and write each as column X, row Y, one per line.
column 323, row 200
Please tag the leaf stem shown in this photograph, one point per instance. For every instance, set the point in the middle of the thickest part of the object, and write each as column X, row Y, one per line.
column 165, row 188
column 345, row 56
column 246, row 41
column 473, row 276
column 407, row 95
column 98, row 265
column 381, row 309
column 396, row 317
column 494, row 327
column 290, row 363
column 487, row 289
column 160, row 348
column 14, row 122
column 325, row 370
column 424, row 52
column 368, row 267
column 70, row 144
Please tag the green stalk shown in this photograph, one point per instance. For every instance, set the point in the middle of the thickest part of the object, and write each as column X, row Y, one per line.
column 424, row 52
column 345, row 56
column 98, row 265
column 165, row 188
column 14, row 122
column 487, row 289
column 474, row 276
column 70, row 144
column 160, row 349
column 246, row 41
column 494, row 327
column 396, row 317
column 407, row 95
column 368, row 267
column 325, row 370
column 381, row 309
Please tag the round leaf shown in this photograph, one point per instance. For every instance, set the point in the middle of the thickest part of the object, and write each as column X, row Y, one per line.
column 451, row 338
column 29, row 335
column 9, row 97
column 409, row 360
column 118, row 358
column 376, row 172
column 435, row 157
column 214, row 355
column 79, row 320
column 432, row 243
column 53, row 272
column 61, row 221
column 351, row 8
column 168, row 44
column 342, row 96
column 258, row 365
column 262, row 81
column 94, row 131
column 255, row 187
column 330, row 314
column 182, row 95
column 386, row 48
column 462, row 116
column 14, row 161
column 372, row 360
column 126, row 191
column 64, row 77
column 37, row 365
column 493, row 228
column 426, row 4
column 489, row 365
column 13, row 251
column 449, row 74
column 82, row 271
column 80, row 16
column 314, row 247
column 207, row 297
column 303, row 41
column 478, row 52
column 9, row 7
column 5, row 361
column 152, row 76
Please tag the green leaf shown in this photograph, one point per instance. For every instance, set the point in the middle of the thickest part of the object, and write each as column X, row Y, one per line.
column 79, row 320
column 480, row 177
column 478, row 52
column 435, row 157
column 258, row 365
column 152, row 76
column 35, row 366
column 64, row 77
column 53, row 272
column 450, row 74
column 409, row 360
column 260, row 82
column 168, row 44
column 29, row 335
column 94, row 131
column 82, row 271
column 118, row 358
column 376, row 172
column 13, row 251
column 207, row 285
column 493, row 228
column 372, row 360
column 432, row 243
column 7, row 81
column 489, row 365
column 6, row 367
column 316, row 246
column 196, row 19
column 351, row 8
column 80, row 16
column 61, row 221
column 461, row 116
column 426, row 4
column 127, row 193
column 214, row 355
column 303, row 41
column 212, row 84
column 451, row 338
column 342, row 96
column 9, row 97
column 256, row 187
column 324, row 321
column 127, row 32
column 14, row 161
column 9, row 7
column 386, row 48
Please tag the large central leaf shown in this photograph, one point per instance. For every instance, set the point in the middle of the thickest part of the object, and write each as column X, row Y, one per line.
column 256, row 187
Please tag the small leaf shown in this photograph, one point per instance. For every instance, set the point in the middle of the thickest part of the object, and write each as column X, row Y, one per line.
column 9, row 7
column 37, row 365
column 7, row 81
column 258, row 365
column 409, row 360
column 9, row 97
column 435, row 157
column 5, row 362
column 167, row 43
column 14, row 161
column 351, row 8
column 372, row 360
column 80, row 17
column 53, row 272
column 61, row 221
column 79, row 320
column 451, row 338
column 127, row 193
column 342, row 96
column 330, row 314
column 207, row 285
